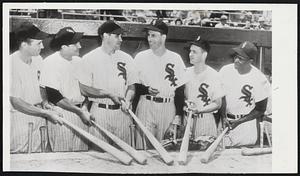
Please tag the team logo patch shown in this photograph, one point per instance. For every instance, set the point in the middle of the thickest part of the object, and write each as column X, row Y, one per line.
column 121, row 67
column 170, row 74
column 204, row 94
column 247, row 94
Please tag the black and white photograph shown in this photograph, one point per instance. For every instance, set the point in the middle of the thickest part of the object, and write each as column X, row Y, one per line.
column 149, row 88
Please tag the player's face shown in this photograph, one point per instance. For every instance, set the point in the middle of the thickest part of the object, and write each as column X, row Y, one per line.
column 33, row 47
column 197, row 54
column 155, row 39
column 240, row 62
column 73, row 49
column 114, row 41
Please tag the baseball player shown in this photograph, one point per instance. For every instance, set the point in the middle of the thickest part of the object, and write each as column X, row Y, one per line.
column 246, row 91
column 25, row 94
column 108, row 78
column 160, row 70
column 204, row 89
column 58, row 76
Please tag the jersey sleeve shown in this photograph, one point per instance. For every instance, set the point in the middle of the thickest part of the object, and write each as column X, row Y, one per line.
column 15, row 83
column 49, row 76
column 83, row 73
column 218, row 88
column 137, row 64
column 132, row 73
column 263, row 88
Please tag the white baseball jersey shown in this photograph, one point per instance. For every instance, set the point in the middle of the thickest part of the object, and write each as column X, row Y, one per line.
column 202, row 89
column 113, row 73
column 163, row 73
column 242, row 92
column 60, row 74
column 24, row 84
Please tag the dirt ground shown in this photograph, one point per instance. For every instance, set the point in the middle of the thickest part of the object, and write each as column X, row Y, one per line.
column 225, row 161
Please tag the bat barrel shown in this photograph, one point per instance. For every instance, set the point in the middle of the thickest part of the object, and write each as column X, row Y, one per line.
column 30, row 131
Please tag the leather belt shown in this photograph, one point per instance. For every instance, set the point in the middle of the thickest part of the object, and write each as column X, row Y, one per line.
column 158, row 99
column 231, row 116
column 112, row 107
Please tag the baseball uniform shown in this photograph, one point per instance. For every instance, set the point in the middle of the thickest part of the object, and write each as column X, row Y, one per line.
column 242, row 92
column 113, row 73
column 162, row 73
column 24, row 84
column 60, row 74
column 202, row 89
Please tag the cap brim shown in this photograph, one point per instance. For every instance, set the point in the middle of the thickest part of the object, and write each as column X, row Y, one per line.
column 77, row 37
column 118, row 31
column 41, row 35
column 240, row 52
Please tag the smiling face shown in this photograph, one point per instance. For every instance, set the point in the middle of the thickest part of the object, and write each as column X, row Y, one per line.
column 155, row 39
column 72, row 49
column 197, row 54
column 114, row 41
column 33, row 47
column 240, row 62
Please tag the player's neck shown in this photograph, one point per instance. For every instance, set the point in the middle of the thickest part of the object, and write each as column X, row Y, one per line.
column 25, row 57
column 65, row 56
column 244, row 70
column 199, row 68
column 159, row 51
column 107, row 49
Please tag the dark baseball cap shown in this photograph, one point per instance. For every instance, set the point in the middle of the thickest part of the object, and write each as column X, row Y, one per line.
column 199, row 42
column 29, row 30
column 65, row 36
column 157, row 25
column 246, row 49
column 110, row 27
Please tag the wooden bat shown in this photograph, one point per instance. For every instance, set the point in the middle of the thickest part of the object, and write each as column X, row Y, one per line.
column 182, row 157
column 30, row 131
column 256, row 151
column 207, row 154
column 123, row 157
column 127, row 148
column 159, row 148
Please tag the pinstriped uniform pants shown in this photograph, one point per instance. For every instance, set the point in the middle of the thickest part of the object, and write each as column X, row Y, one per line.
column 64, row 139
column 19, row 132
column 205, row 125
column 115, row 121
column 156, row 117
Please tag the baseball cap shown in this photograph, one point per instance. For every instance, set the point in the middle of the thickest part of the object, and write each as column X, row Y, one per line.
column 29, row 30
column 246, row 49
column 65, row 36
column 201, row 43
column 223, row 17
column 110, row 27
column 157, row 25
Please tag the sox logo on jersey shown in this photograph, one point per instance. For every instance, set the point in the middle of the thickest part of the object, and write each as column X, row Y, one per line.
column 247, row 94
column 171, row 76
column 121, row 67
column 203, row 93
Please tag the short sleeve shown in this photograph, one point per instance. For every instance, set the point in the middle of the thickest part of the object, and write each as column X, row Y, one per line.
column 15, row 84
column 263, row 89
column 218, row 88
column 132, row 73
column 48, row 76
column 83, row 73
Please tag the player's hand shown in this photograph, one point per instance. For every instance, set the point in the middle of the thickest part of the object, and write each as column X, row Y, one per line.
column 125, row 106
column 116, row 99
column 169, row 134
column 54, row 116
column 152, row 91
column 47, row 105
column 86, row 117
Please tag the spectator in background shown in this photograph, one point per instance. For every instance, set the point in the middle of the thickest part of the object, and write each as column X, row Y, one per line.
column 178, row 22
column 247, row 25
column 193, row 18
column 223, row 22
column 261, row 25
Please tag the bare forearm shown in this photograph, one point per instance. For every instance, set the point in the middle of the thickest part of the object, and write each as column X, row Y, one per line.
column 130, row 93
column 252, row 115
column 93, row 92
column 27, row 108
column 67, row 105
column 213, row 106
column 43, row 93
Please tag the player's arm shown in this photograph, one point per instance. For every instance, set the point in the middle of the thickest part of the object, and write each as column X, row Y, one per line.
column 29, row 109
column 257, row 112
column 213, row 106
column 98, row 93
column 129, row 97
column 45, row 104
column 55, row 97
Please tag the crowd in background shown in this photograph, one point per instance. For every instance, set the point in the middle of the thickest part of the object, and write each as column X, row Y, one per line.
column 256, row 20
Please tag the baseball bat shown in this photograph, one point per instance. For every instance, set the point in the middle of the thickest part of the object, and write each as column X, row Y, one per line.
column 256, row 151
column 182, row 157
column 123, row 157
column 207, row 154
column 30, row 131
column 43, row 131
column 159, row 148
column 127, row 148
